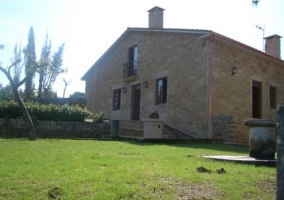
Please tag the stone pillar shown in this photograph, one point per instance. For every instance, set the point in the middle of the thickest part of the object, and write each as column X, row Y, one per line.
column 261, row 138
column 153, row 128
column 280, row 153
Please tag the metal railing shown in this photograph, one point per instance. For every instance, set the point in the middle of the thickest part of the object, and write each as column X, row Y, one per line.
column 130, row 69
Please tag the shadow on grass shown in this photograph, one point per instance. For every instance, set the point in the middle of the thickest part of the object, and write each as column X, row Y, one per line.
column 198, row 145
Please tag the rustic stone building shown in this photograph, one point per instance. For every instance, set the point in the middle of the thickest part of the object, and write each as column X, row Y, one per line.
column 202, row 84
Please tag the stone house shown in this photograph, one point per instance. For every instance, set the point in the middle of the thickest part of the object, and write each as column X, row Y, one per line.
column 202, row 84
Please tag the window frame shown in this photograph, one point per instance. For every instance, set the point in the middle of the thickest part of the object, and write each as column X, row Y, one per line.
column 132, row 60
column 116, row 99
column 164, row 91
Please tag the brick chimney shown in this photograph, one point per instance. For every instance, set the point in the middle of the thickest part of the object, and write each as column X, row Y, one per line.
column 272, row 45
column 156, row 17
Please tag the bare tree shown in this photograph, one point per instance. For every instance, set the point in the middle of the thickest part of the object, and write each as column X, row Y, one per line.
column 15, row 86
column 18, row 99
column 66, row 83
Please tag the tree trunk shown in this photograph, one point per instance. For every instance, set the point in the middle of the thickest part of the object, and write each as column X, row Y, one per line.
column 280, row 153
column 31, row 128
column 40, row 86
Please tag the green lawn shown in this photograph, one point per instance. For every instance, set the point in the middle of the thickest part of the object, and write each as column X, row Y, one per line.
column 90, row 169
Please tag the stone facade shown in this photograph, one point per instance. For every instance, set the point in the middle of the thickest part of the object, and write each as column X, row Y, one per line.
column 232, row 94
column 204, row 99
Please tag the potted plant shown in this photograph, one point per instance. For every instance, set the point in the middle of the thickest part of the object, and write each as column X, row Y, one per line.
column 154, row 115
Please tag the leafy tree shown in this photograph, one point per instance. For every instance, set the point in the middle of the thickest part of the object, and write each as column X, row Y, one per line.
column 54, row 69
column 30, row 65
column 6, row 93
column 43, row 71
column 77, row 95
column 18, row 67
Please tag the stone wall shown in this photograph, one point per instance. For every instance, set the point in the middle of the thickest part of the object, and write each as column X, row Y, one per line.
column 17, row 128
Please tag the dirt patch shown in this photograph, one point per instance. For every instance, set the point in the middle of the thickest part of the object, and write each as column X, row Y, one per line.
column 55, row 193
column 268, row 185
column 196, row 192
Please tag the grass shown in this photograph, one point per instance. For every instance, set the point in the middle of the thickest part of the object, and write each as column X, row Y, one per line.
column 90, row 169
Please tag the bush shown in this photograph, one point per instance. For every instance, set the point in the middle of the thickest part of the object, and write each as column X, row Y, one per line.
column 44, row 112
column 9, row 109
column 98, row 118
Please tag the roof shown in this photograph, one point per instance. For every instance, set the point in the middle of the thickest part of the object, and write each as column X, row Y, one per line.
column 204, row 34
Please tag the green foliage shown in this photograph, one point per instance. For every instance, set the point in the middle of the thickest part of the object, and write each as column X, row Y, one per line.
column 6, row 93
column 44, row 112
column 98, row 117
column 77, row 95
column 9, row 109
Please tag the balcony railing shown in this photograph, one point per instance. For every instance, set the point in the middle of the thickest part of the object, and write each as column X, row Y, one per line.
column 130, row 69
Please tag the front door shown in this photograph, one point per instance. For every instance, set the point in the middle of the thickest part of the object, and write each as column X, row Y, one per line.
column 256, row 99
column 135, row 102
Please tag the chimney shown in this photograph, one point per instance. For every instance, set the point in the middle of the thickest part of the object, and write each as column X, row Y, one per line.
column 272, row 45
column 156, row 16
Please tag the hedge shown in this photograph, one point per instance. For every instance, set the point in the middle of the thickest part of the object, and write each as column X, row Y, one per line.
column 53, row 112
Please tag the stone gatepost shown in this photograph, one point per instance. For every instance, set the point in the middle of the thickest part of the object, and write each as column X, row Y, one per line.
column 280, row 153
column 261, row 138
column 153, row 128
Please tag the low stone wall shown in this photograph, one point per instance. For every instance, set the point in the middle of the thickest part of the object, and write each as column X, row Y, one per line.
column 130, row 128
column 17, row 128
column 225, row 128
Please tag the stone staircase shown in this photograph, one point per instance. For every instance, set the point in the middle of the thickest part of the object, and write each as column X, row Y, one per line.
column 170, row 132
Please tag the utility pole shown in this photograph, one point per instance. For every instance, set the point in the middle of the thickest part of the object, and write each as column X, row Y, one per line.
column 280, row 153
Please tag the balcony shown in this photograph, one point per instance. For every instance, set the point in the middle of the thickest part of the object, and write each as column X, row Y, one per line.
column 130, row 71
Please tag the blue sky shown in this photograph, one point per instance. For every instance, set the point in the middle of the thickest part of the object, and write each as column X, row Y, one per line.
column 88, row 27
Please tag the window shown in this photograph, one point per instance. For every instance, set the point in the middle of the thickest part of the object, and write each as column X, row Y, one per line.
column 116, row 99
column 272, row 97
column 132, row 61
column 161, row 91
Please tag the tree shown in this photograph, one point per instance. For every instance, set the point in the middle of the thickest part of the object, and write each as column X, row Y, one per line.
column 49, row 73
column 18, row 66
column 77, row 95
column 6, row 93
column 43, row 71
column 30, row 59
column 17, row 97
column 66, row 83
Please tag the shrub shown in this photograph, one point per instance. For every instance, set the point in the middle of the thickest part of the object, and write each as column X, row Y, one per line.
column 98, row 117
column 9, row 109
column 44, row 112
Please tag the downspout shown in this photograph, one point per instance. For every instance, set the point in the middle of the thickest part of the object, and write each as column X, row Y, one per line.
column 210, row 91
